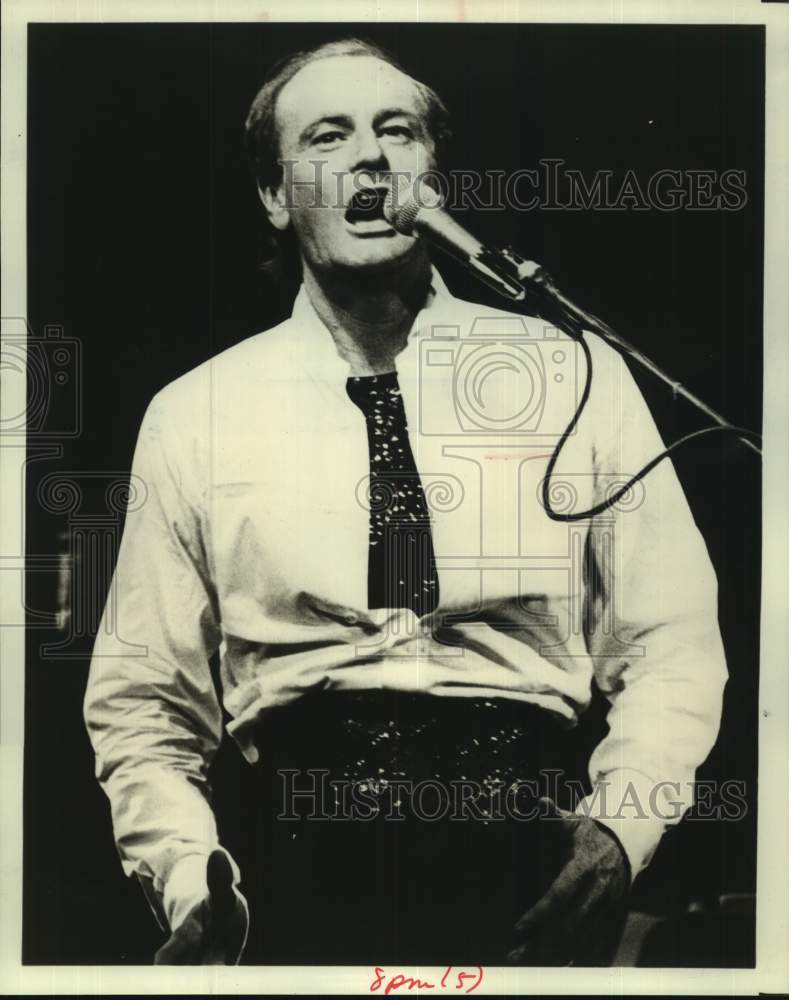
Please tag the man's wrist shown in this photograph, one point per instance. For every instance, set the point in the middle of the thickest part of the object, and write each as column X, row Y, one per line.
column 620, row 802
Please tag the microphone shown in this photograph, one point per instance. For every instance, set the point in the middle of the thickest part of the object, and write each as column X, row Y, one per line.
column 417, row 210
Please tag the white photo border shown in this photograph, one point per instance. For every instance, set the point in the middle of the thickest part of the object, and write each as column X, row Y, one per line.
column 771, row 974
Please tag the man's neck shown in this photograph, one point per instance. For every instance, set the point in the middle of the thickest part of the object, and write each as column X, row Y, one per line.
column 370, row 315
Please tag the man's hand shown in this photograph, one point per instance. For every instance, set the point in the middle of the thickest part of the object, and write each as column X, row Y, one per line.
column 214, row 931
column 581, row 911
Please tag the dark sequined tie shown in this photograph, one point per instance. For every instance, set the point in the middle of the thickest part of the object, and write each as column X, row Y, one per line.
column 401, row 570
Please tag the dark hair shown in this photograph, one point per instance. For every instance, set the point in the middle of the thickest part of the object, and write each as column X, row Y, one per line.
column 262, row 139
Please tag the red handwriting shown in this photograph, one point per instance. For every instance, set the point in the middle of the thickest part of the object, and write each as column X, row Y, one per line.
column 461, row 980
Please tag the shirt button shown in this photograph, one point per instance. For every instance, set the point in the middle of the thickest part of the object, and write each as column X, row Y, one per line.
column 351, row 618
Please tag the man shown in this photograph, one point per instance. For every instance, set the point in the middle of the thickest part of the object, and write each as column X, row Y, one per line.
column 327, row 508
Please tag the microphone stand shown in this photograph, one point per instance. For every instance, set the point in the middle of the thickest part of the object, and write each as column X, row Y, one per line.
column 554, row 307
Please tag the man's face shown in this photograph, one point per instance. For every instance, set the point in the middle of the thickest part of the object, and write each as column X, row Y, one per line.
column 340, row 119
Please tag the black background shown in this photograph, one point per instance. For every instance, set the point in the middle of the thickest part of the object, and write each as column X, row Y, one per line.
column 144, row 240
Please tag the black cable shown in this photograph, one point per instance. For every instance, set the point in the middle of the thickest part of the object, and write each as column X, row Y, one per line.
column 570, row 326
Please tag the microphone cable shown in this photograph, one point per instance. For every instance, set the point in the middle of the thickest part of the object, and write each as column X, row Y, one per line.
column 554, row 308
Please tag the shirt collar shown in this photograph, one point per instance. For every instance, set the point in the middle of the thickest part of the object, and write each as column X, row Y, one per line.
column 315, row 345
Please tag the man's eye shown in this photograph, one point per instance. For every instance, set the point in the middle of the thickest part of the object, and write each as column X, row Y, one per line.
column 327, row 138
column 401, row 132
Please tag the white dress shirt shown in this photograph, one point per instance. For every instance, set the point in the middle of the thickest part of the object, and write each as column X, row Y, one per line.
column 248, row 534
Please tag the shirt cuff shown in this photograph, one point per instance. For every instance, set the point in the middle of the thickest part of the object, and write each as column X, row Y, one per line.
column 636, row 809
column 186, row 886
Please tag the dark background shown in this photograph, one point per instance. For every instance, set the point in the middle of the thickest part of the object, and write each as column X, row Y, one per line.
column 144, row 239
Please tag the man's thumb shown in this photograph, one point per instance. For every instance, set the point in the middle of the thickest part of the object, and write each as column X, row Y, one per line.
column 549, row 810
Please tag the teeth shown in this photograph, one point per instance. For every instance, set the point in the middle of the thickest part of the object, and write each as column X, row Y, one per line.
column 368, row 196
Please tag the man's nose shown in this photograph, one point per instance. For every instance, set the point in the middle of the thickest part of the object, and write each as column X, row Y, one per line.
column 368, row 153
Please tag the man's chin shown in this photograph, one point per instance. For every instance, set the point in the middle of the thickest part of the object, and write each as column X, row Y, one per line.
column 382, row 254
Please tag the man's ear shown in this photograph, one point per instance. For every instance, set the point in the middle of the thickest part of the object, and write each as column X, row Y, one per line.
column 273, row 200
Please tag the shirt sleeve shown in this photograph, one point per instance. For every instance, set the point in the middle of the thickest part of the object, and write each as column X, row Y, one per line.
column 150, row 707
column 652, row 619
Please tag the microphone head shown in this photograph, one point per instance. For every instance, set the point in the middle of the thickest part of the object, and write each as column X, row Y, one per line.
column 404, row 202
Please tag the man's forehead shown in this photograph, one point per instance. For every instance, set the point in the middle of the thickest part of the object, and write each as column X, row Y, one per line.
column 345, row 85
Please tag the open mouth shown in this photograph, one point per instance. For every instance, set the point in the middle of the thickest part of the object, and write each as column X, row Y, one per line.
column 367, row 206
